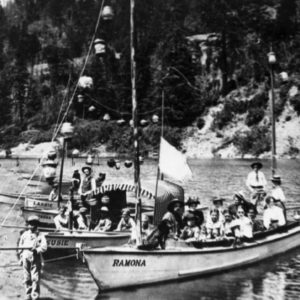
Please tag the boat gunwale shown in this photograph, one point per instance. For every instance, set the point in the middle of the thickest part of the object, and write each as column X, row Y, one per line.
column 192, row 250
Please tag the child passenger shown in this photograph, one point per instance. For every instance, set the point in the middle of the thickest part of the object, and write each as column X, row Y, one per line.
column 191, row 231
column 214, row 225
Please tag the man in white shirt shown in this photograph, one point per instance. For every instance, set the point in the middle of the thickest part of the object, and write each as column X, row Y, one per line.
column 30, row 258
column 273, row 215
column 256, row 179
column 61, row 221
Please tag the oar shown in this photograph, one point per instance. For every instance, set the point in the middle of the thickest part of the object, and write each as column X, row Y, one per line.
column 15, row 248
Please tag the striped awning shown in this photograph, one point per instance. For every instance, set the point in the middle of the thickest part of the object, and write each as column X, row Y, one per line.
column 123, row 187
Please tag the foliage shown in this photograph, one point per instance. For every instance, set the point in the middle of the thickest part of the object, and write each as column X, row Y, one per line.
column 256, row 141
column 295, row 101
column 254, row 116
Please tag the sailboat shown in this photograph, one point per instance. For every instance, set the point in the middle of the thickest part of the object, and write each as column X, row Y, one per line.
column 122, row 267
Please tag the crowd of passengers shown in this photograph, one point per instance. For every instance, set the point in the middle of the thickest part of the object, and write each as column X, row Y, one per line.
column 186, row 221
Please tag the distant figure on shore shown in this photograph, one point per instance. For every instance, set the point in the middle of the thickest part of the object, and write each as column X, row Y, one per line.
column 100, row 179
column 30, row 259
column 17, row 161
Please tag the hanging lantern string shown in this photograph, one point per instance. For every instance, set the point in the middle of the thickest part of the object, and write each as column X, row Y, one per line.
column 81, row 73
column 121, row 113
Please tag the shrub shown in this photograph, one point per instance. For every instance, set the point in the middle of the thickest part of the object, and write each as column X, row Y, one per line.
column 256, row 141
column 200, row 123
column 254, row 116
column 295, row 101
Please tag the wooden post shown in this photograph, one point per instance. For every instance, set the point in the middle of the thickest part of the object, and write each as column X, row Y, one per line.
column 61, row 172
column 273, row 120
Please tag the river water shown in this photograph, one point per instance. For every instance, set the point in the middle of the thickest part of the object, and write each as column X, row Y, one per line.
column 277, row 278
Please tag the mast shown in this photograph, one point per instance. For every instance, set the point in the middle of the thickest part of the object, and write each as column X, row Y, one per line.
column 272, row 61
column 137, row 182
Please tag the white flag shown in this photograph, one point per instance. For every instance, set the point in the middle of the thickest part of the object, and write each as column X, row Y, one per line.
column 172, row 162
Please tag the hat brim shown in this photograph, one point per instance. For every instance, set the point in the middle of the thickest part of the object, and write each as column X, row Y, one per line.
column 258, row 164
column 173, row 202
column 86, row 168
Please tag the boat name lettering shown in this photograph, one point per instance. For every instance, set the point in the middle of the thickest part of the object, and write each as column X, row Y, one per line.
column 56, row 243
column 44, row 204
column 129, row 263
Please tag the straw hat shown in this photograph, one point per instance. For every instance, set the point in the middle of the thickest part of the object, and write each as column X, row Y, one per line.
column 217, row 199
column 192, row 200
column 276, row 179
column 104, row 209
column 83, row 210
column 240, row 195
column 33, row 219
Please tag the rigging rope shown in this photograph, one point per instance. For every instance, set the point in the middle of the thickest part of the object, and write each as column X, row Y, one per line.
column 82, row 71
column 65, row 114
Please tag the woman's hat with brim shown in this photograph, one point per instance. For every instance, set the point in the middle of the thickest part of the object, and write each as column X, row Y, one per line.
column 86, row 168
column 276, row 179
column 240, row 195
column 191, row 201
column 173, row 202
column 258, row 164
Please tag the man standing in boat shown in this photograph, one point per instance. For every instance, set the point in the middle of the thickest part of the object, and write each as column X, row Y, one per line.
column 256, row 180
column 30, row 259
column 87, row 185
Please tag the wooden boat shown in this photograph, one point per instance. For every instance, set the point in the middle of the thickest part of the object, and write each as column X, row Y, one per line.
column 69, row 242
column 121, row 267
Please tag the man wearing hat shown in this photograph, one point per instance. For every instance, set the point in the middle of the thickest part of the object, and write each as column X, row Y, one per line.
column 87, row 185
column 104, row 222
column 127, row 224
column 30, row 258
column 256, row 180
column 173, row 217
column 217, row 204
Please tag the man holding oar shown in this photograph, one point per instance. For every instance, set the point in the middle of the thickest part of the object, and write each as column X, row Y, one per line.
column 30, row 258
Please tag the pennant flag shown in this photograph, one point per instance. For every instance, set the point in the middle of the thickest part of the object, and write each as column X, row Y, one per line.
column 173, row 163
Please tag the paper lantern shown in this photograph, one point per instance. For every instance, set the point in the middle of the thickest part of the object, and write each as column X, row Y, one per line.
column 92, row 108
column 107, row 13
column 106, row 117
column 99, row 46
column 67, row 130
column 155, row 119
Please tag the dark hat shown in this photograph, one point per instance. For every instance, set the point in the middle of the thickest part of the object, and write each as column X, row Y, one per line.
column 172, row 203
column 102, row 176
column 86, row 168
column 276, row 179
column 217, row 199
column 258, row 164
column 33, row 219
column 191, row 201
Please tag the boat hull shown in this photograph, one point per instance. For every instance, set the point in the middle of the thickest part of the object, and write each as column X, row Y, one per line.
column 67, row 243
column 115, row 268
column 46, row 217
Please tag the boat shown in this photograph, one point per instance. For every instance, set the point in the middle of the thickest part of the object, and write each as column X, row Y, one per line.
column 120, row 267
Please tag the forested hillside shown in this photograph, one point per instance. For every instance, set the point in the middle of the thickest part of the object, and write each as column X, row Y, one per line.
column 206, row 58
